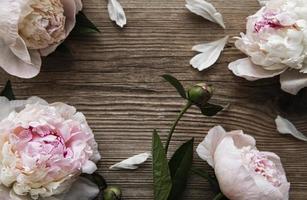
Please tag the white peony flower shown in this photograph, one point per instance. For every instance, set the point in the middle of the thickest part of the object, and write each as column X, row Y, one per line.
column 243, row 172
column 276, row 43
column 43, row 147
column 30, row 29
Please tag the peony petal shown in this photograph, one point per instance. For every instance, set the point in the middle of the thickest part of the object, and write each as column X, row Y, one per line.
column 16, row 105
column 89, row 167
column 82, row 189
column 78, row 5
column 71, row 9
column 292, row 81
column 9, row 18
column 132, row 162
column 207, row 147
column 246, row 69
column 16, row 66
column 206, row 10
column 262, row 2
column 284, row 126
column 5, row 108
column 235, row 180
column 210, row 53
column 20, row 50
column 117, row 13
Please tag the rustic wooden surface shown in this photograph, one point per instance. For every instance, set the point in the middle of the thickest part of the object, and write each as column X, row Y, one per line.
column 114, row 78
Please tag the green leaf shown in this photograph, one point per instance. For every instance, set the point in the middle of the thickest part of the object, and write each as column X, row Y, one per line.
column 84, row 26
column 161, row 174
column 174, row 82
column 214, row 184
column 210, row 109
column 63, row 49
column 8, row 91
column 97, row 179
column 180, row 166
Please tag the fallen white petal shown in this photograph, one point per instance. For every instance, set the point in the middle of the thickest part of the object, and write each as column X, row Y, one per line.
column 284, row 126
column 246, row 69
column 262, row 2
column 206, row 10
column 292, row 81
column 117, row 13
column 132, row 162
column 210, row 52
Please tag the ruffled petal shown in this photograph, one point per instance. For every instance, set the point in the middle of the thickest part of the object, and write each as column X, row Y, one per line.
column 246, row 69
column 71, row 9
column 17, row 105
column 5, row 108
column 292, row 81
column 234, row 177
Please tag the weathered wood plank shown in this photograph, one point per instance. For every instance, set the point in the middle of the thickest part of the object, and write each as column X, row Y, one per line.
column 114, row 78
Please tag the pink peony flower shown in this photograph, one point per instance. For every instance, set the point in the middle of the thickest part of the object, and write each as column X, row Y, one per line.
column 276, row 43
column 243, row 172
column 44, row 147
column 30, row 29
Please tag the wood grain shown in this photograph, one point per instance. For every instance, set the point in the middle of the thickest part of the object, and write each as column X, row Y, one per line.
column 115, row 79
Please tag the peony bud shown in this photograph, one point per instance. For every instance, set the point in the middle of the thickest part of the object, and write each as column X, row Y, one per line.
column 200, row 94
column 112, row 193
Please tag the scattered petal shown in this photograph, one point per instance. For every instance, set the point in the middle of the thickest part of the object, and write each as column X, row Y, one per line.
column 206, row 10
column 284, row 126
column 117, row 13
column 293, row 81
column 132, row 162
column 210, row 52
column 246, row 69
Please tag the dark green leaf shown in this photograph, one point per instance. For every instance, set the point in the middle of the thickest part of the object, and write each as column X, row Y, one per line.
column 180, row 166
column 63, row 49
column 210, row 109
column 84, row 26
column 210, row 178
column 97, row 179
column 8, row 91
column 161, row 174
column 174, row 82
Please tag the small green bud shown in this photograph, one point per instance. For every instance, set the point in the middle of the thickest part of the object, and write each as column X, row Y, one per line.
column 200, row 94
column 112, row 193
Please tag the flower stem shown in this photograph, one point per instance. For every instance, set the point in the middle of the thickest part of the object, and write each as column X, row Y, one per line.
column 170, row 134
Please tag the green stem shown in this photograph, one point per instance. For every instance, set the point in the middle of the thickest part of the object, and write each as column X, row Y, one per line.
column 170, row 134
column 218, row 196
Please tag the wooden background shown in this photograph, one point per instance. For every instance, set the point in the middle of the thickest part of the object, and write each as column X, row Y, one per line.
column 114, row 78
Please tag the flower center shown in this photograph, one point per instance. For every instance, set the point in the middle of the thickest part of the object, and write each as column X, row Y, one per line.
column 262, row 165
column 268, row 20
column 44, row 24
column 38, row 145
